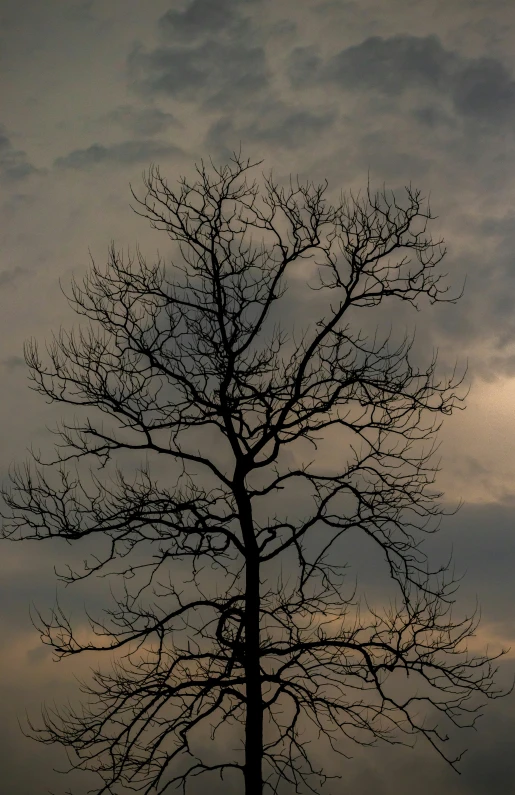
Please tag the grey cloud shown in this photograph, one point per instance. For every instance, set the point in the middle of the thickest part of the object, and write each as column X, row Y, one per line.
column 485, row 90
column 83, row 12
column 123, row 153
column 18, row 777
column 34, row 585
column 14, row 163
column 304, row 65
column 503, row 365
column 199, row 18
column 340, row 6
column 219, row 73
column 490, row 292
column 432, row 116
column 272, row 123
column 13, row 362
column 489, row 766
column 481, row 539
column 391, row 65
column 479, row 88
column 10, row 275
column 38, row 654
column 286, row 27
column 486, row 768
column 212, row 53
column 144, row 121
column 479, row 91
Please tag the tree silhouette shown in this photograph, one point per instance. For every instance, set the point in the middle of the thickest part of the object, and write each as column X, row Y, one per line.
column 232, row 615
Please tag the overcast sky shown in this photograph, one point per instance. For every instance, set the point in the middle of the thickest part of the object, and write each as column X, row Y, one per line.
column 419, row 91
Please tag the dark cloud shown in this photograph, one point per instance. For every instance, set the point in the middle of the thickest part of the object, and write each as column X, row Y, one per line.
column 212, row 54
column 391, row 65
column 123, row 153
column 491, row 767
column 484, row 89
column 218, row 73
column 14, row 163
column 488, row 305
column 200, row 17
column 479, row 88
column 481, row 539
column 272, row 123
column 13, row 362
column 432, row 116
column 82, row 12
column 388, row 65
column 141, row 121
column 329, row 7
column 487, row 767
column 10, row 275
column 417, row 112
column 285, row 27
column 304, row 65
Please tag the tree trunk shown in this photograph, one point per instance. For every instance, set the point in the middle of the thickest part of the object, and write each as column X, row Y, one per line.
column 254, row 717
column 253, row 771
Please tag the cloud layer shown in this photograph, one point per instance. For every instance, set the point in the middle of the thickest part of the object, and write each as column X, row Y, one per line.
column 420, row 92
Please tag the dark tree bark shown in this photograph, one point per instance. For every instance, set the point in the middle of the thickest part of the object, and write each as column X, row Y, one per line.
column 232, row 614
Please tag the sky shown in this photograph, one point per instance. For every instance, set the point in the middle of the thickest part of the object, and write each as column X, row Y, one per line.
column 395, row 91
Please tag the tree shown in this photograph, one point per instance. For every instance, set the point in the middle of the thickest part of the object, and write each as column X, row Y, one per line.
column 231, row 605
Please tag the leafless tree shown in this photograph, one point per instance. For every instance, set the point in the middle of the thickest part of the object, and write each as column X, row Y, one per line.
column 231, row 609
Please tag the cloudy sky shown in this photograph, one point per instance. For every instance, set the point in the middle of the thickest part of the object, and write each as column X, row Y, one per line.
column 419, row 91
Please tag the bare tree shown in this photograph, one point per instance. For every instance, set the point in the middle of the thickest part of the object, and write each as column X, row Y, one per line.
column 231, row 606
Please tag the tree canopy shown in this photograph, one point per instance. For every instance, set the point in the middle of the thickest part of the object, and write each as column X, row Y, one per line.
column 233, row 613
